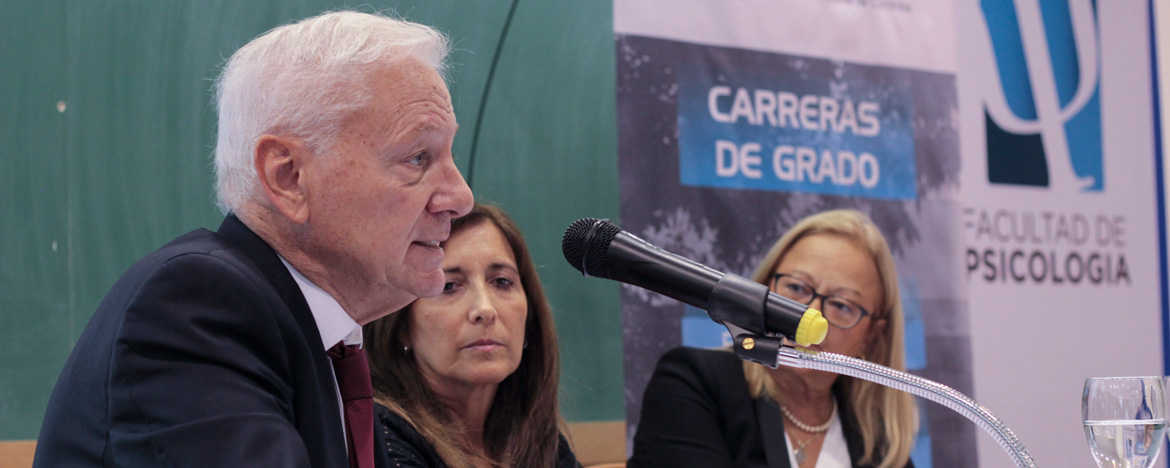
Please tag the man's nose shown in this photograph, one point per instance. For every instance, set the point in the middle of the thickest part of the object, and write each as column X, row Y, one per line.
column 452, row 194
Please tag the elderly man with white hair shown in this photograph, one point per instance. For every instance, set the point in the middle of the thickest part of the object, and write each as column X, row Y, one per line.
column 242, row 347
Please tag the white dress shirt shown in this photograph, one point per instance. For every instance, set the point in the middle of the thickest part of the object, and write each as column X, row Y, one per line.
column 333, row 324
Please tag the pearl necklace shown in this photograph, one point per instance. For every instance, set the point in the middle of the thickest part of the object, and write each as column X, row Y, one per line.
column 808, row 427
column 798, row 451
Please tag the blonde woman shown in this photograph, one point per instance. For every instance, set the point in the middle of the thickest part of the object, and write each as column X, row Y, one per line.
column 708, row 409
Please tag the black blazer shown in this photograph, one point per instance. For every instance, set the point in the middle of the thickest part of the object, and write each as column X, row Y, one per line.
column 697, row 412
column 203, row 354
column 406, row 448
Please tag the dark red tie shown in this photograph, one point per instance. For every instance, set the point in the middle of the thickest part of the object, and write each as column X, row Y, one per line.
column 357, row 397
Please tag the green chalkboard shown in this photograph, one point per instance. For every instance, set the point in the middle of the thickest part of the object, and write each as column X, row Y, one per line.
column 107, row 126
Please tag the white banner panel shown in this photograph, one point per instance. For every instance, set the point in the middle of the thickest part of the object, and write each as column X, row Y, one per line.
column 910, row 34
column 1060, row 213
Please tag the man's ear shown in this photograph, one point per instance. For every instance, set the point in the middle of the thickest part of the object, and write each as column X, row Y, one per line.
column 280, row 165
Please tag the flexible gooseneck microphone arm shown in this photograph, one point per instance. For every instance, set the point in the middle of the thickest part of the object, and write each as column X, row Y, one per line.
column 773, row 352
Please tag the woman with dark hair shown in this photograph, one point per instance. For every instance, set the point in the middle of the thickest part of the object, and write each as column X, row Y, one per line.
column 469, row 378
column 708, row 409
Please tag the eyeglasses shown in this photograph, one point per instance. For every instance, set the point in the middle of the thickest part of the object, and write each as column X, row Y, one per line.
column 839, row 311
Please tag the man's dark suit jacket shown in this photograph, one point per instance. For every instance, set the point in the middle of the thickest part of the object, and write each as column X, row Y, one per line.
column 697, row 412
column 203, row 354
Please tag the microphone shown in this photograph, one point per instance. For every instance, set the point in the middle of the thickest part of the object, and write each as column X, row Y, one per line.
column 600, row 249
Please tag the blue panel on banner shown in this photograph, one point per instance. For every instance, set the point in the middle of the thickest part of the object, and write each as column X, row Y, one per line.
column 784, row 123
column 915, row 342
column 921, row 453
column 914, row 328
column 699, row 331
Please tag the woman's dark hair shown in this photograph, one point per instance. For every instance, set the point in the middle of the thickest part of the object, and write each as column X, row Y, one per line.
column 523, row 423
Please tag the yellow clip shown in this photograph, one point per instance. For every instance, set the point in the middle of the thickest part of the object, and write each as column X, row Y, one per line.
column 812, row 328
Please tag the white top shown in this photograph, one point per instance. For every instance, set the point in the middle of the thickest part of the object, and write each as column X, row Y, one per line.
column 834, row 451
column 333, row 324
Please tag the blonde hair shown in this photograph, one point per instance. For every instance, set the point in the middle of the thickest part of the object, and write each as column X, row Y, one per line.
column 886, row 418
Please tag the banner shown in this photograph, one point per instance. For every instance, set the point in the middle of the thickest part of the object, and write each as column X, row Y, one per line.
column 732, row 129
column 1060, row 215
column 1006, row 151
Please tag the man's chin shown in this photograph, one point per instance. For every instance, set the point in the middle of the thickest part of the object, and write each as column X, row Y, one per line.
column 431, row 285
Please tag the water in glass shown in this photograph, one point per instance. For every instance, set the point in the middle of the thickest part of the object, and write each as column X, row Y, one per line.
column 1124, row 420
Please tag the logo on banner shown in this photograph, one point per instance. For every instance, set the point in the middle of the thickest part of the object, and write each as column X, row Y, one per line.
column 1044, row 123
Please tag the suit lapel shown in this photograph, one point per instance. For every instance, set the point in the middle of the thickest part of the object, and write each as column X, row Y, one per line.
column 274, row 270
column 330, row 445
column 772, row 432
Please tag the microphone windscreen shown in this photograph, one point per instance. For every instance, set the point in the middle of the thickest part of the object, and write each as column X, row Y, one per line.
column 585, row 244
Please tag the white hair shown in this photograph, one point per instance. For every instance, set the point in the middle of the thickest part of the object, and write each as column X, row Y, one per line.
column 303, row 80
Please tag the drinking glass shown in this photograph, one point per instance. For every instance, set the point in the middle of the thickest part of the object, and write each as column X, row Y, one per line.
column 1125, row 418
